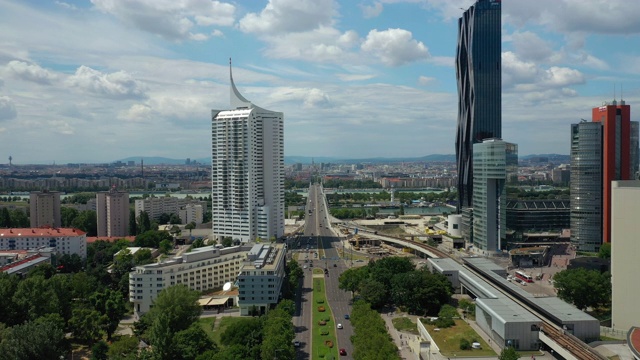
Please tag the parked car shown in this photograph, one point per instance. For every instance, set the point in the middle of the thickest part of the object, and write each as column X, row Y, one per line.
column 339, row 326
column 296, row 343
column 346, row 316
column 343, row 352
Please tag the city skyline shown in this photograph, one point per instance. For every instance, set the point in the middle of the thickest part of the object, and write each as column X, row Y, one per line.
column 356, row 80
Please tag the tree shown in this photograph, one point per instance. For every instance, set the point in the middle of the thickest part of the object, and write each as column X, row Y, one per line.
column 152, row 238
column 8, row 286
column 67, row 215
column 419, row 291
column 351, row 278
column 227, row 241
column 144, row 222
column 175, row 219
column 40, row 339
column 175, row 309
column 374, row 292
column 34, row 298
column 86, row 325
column 5, row 218
column 19, row 219
column 583, row 288
column 112, row 306
column 125, row 347
column 133, row 225
column 142, row 257
column 191, row 342
column 99, row 351
column 70, row 263
column 245, row 331
column 605, row 251
column 165, row 246
column 86, row 221
column 190, row 226
column 508, row 353
column 164, row 218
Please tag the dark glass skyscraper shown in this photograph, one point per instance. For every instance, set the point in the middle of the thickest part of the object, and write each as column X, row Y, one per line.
column 478, row 71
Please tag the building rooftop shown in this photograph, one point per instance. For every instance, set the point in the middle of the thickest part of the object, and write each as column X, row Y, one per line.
column 506, row 310
column 31, row 232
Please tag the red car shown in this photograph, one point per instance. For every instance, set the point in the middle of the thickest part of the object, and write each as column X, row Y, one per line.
column 343, row 352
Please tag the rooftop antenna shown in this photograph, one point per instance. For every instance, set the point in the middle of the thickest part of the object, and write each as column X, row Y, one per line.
column 614, row 95
column 621, row 97
column 10, row 158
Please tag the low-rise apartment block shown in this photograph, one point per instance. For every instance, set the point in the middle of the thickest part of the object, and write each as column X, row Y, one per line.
column 64, row 240
column 201, row 269
column 261, row 278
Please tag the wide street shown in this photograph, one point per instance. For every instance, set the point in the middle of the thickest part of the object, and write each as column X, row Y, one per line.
column 318, row 235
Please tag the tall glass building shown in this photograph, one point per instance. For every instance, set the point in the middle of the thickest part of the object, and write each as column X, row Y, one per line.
column 586, row 185
column 606, row 148
column 491, row 160
column 478, row 72
column 247, row 171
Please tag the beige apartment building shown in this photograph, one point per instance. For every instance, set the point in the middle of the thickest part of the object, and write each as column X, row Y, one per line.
column 112, row 211
column 44, row 209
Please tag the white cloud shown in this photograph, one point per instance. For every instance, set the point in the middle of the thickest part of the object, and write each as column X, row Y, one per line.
column 355, row 77
column 450, row 9
column 117, row 85
column 7, row 108
column 530, row 46
column 371, row 11
column 394, row 47
column 526, row 76
column 281, row 16
column 217, row 33
column 66, row 5
column 30, row 72
column 593, row 16
column 316, row 98
column 171, row 19
column 324, row 44
column 60, row 127
column 426, row 80
column 137, row 113
column 198, row 37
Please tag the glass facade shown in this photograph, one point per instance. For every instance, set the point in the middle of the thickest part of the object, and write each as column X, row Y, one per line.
column 478, row 74
column 489, row 193
column 586, row 186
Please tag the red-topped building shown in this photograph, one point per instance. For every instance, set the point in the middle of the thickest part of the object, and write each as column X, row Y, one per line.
column 619, row 153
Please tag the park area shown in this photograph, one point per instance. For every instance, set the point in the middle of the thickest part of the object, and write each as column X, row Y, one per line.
column 449, row 340
column 324, row 344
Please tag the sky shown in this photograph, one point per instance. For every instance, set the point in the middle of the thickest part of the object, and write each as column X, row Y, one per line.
column 102, row 80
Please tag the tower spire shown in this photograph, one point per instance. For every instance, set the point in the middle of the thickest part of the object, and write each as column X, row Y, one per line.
column 237, row 100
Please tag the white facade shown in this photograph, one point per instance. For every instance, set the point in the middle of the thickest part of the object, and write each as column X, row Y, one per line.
column 44, row 209
column 191, row 213
column 625, row 247
column 155, row 207
column 260, row 281
column 112, row 212
column 201, row 269
column 247, row 171
column 64, row 240
column 454, row 225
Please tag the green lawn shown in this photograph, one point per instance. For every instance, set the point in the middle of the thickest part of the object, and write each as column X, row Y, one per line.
column 448, row 340
column 207, row 326
column 319, row 349
column 405, row 324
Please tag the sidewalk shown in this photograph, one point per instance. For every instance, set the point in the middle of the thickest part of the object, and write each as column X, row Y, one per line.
column 404, row 348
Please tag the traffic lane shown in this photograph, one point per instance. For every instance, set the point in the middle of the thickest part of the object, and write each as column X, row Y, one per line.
column 302, row 327
column 339, row 300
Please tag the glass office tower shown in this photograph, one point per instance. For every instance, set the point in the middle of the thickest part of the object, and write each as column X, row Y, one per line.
column 478, row 72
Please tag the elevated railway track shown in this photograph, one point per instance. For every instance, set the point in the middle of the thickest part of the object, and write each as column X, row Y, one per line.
column 565, row 344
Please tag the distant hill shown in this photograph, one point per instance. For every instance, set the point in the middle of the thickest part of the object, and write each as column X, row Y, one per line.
column 157, row 160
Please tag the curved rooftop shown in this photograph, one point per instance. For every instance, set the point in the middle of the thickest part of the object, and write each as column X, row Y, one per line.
column 633, row 339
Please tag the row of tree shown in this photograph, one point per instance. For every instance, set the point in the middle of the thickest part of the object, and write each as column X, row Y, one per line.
column 395, row 280
column 371, row 341
column 13, row 218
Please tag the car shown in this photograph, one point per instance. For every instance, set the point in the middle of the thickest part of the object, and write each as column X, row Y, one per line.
column 339, row 326
column 335, row 265
column 343, row 352
column 296, row 343
column 305, row 266
column 346, row 316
